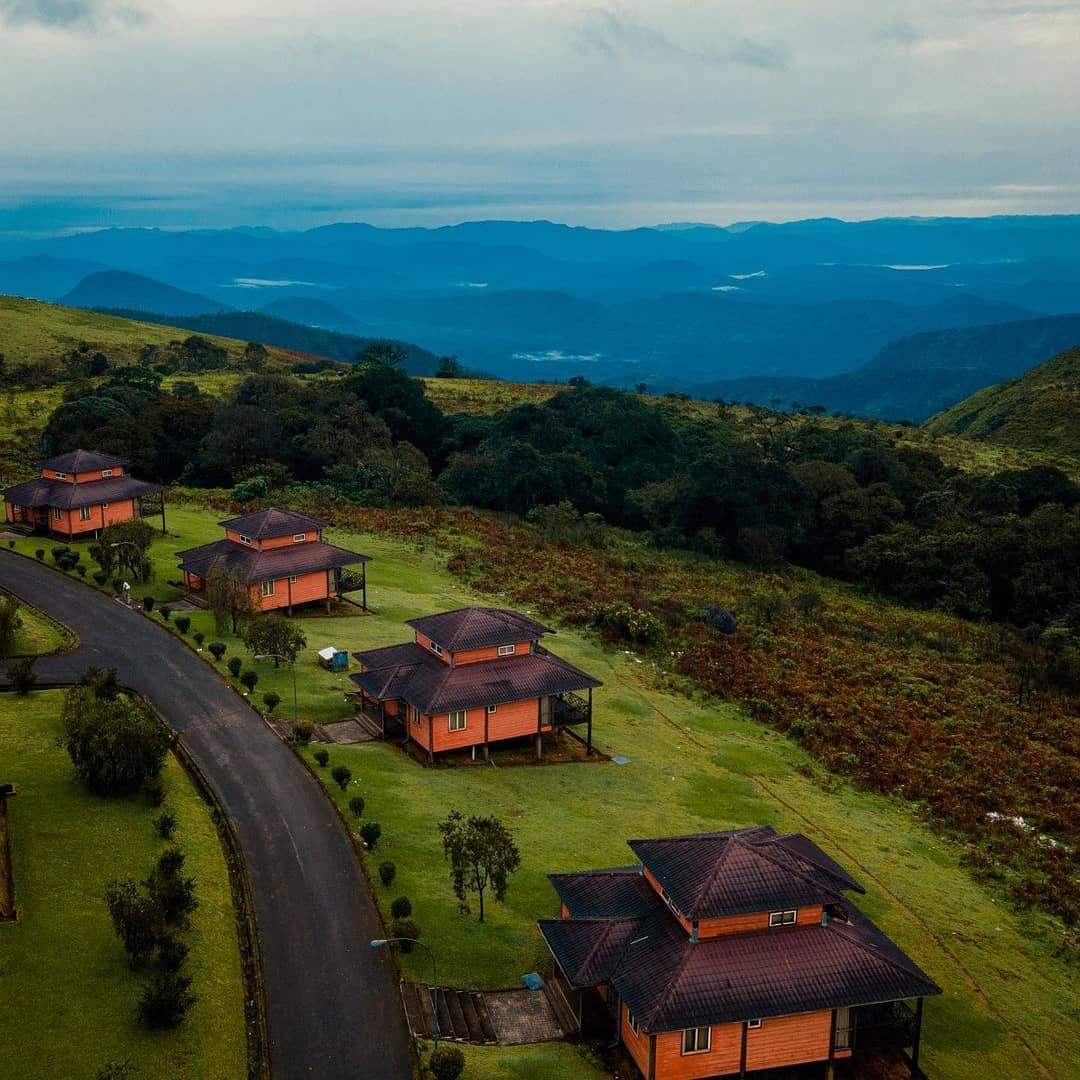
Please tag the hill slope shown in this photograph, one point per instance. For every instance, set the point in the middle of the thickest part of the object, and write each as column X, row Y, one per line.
column 1038, row 411
column 119, row 289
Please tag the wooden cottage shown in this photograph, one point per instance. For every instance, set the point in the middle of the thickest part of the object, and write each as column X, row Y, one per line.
column 470, row 678
column 732, row 953
column 283, row 557
column 78, row 494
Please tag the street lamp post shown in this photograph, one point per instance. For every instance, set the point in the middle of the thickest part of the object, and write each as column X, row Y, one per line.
column 292, row 668
column 382, row 943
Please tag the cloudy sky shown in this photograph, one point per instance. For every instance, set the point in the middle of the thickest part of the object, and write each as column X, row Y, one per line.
column 299, row 112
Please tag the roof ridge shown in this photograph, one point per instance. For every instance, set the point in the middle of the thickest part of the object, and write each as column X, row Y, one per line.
column 843, row 878
column 761, row 850
column 868, row 947
column 717, row 864
column 688, row 950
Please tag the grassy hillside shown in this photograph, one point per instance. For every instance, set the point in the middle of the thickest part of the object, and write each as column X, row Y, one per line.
column 1038, row 411
column 30, row 330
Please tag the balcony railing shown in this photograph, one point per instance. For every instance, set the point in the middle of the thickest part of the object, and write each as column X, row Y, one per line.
column 890, row 1024
column 569, row 708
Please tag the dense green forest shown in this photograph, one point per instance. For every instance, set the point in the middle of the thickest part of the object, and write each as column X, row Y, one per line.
column 760, row 487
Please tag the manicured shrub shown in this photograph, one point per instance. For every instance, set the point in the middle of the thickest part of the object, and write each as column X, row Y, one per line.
column 40, row 553
column 250, row 679
column 198, row 637
column 271, row 700
column 22, row 676
column 342, row 774
column 217, row 650
column 404, row 928
column 183, row 623
column 302, row 731
column 235, row 664
column 401, row 908
column 387, row 873
column 165, row 824
column 81, row 570
column 446, row 1063
column 165, row 611
column 322, row 757
column 148, row 603
column 356, row 805
column 58, row 553
column 166, row 1000
column 135, row 918
column 173, row 893
column 171, row 953
column 370, row 831
column 100, row 577
column 11, row 543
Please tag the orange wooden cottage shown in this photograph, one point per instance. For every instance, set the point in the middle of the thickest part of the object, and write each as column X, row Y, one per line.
column 470, row 678
column 281, row 554
column 78, row 494
column 732, row 953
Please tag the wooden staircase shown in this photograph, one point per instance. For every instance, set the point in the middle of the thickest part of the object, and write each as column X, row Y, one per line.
column 463, row 1016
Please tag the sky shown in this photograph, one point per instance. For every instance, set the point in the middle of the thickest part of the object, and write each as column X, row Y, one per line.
column 293, row 113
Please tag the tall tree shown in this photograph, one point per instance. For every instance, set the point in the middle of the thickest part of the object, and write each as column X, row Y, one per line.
column 229, row 596
column 482, row 855
column 275, row 636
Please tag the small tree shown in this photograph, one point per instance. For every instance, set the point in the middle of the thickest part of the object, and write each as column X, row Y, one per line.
column 217, row 650
column 22, row 676
column 170, row 891
column 446, row 1063
column 404, row 928
column 166, row 1000
column 302, row 731
column 235, row 664
column 271, row 700
column 387, row 873
column 10, row 624
column 274, row 635
column 198, row 637
column 370, row 831
column 228, row 594
column 250, row 680
column 124, row 549
column 356, row 806
column 183, row 623
column 482, row 855
column 322, row 757
column 135, row 918
column 165, row 611
column 148, row 602
column 401, row 908
column 171, row 953
column 40, row 554
column 342, row 774
column 165, row 823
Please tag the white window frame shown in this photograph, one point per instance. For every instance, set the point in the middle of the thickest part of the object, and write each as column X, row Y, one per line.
column 106, row 473
column 436, row 649
column 416, row 716
column 244, row 539
column 84, row 513
column 783, row 918
column 104, row 506
column 492, row 708
column 691, row 1034
column 292, row 579
column 631, row 1021
column 60, row 475
column 507, row 650
column 458, row 720
column 299, row 538
column 58, row 514
column 268, row 588
column 754, row 1024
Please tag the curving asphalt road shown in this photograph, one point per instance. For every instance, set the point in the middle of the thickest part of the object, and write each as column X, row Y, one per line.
column 333, row 1007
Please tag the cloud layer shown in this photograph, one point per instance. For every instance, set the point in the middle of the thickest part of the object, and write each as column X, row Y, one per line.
column 79, row 15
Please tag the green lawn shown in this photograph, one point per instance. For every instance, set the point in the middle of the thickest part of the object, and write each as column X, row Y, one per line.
column 693, row 766
column 66, row 994
column 39, row 635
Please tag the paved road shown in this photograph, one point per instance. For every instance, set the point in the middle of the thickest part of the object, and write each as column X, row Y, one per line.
column 333, row 1005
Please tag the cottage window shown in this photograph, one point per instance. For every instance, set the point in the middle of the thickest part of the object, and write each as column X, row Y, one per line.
column 84, row 513
column 60, row 475
column 104, row 506
column 753, row 1023
column 458, row 719
column 631, row 1021
column 245, row 539
column 267, row 587
column 696, row 1040
column 492, row 708
column 58, row 513
column 292, row 579
column 416, row 716
column 106, row 473
column 436, row 649
column 507, row 650
column 299, row 538
column 782, row 918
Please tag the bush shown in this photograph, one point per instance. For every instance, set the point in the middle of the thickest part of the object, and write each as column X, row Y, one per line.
column 116, row 1070
column 11, row 544
column 235, row 664
column 217, row 650
column 58, row 553
column 401, row 908
column 183, row 623
column 173, row 894
column 135, row 918
column 404, row 928
column 22, row 676
column 81, row 570
column 165, row 611
column 629, row 624
column 371, row 831
column 171, row 953
column 117, row 585
column 198, row 637
column 342, row 774
column 271, row 700
column 446, row 1063
column 40, row 553
column 155, row 792
column 303, row 731
column 322, row 758
column 166, row 1000
column 165, row 824
column 249, row 679
column 100, row 577
column 387, row 873
column 148, row 602
column 356, row 805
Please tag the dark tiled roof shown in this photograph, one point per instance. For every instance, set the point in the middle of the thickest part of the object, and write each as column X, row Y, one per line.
column 71, row 496
column 589, row 950
column 712, row 875
column 478, row 628
column 266, row 565
column 266, row 524
column 413, row 674
column 621, row 893
column 77, row 461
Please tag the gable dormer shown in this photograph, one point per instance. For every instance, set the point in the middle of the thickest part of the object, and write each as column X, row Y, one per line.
column 265, row 530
